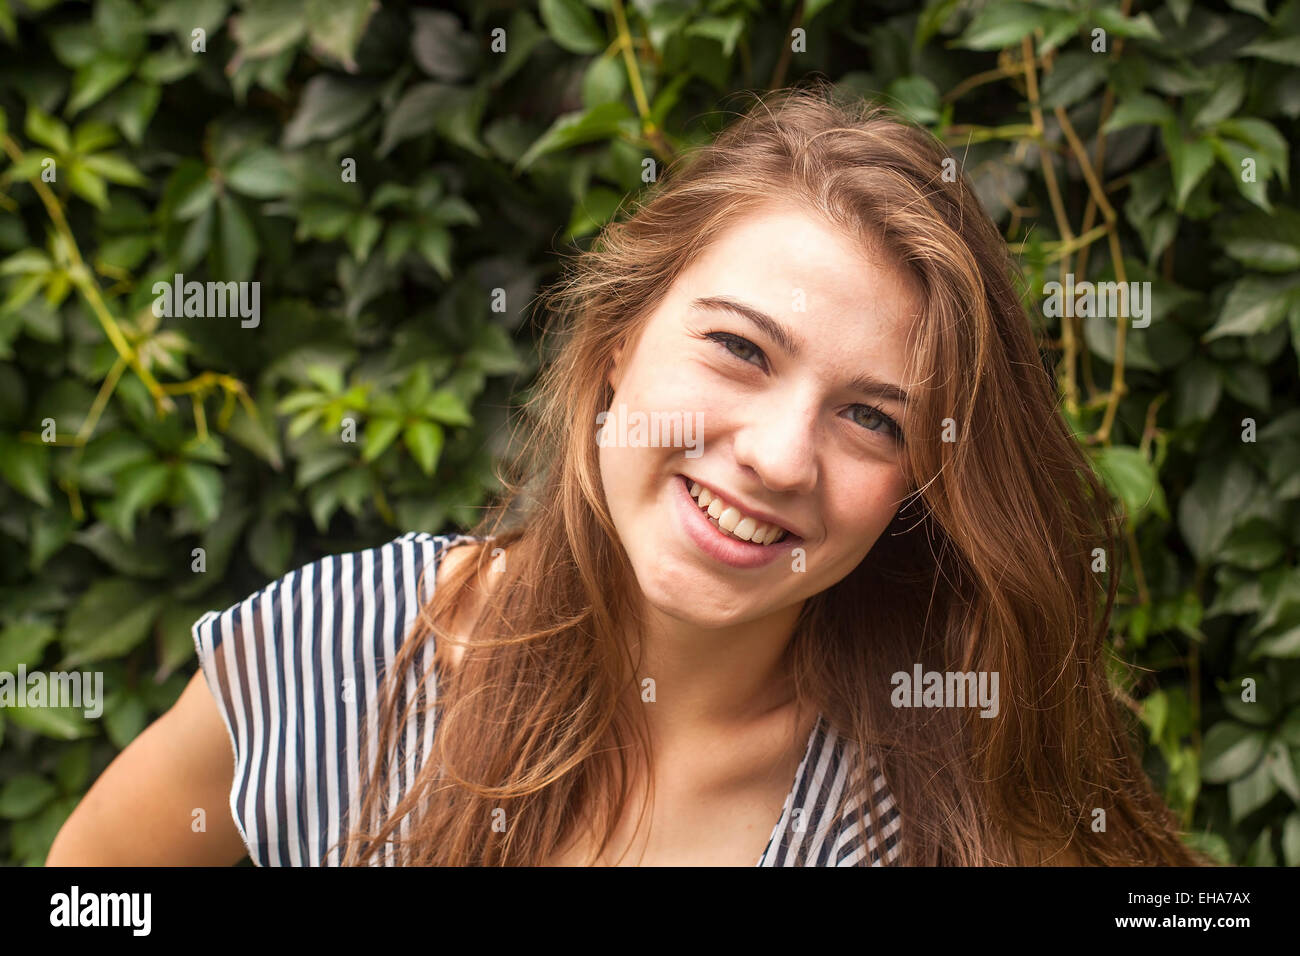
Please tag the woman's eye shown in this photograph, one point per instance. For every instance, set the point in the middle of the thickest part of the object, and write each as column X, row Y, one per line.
column 868, row 417
column 873, row 419
column 737, row 345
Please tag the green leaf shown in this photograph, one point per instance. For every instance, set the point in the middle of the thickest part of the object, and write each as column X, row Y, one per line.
column 1254, row 304
column 336, row 26
column 113, row 168
column 125, row 719
column 1262, row 137
column 239, row 244
column 92, row 136
column 61, row 723
column 599, row 122
column 1132, row 479
column 1291, row 839
column 270, row 545
column 259, row 173
column 446, row 407
column 1247, row 383
column 525, row 34
column 1113, row 21
column 175, row 640
column 1004, row 24
column 424, row 440
column 138, row 488
column 86, row 184
column 269, row 27
column 1248, row 793
column 604, row 82
column 1137, row 110
column 1208, row 508
column 1236, row 157
column 72, row 772
column 26, row 466
column 25, row 794
column 915, row 97
column 595, row 209
column 109, row 620
column 1230, row 750
column 1268, row 243
column 434, row 244
column 1255, row 545
column 1224, row 99
column 1284, row 643
column 726, row 30
column 362, row 234
column 1284, row 50
column 380, row 433
column 1075, row 76
column 572, row 26
column 23, row 643
column 135, row 105
column 1189, row 160
column 199, row 486
column 26, row 261
column 441, row 47
column 329, row 105
column 96, row 78
column 45, row 129
column 453, row 111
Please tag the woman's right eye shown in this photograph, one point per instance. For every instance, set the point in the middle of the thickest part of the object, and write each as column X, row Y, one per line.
column 732, row 342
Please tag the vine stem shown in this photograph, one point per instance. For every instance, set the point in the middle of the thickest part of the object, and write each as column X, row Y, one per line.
column 84, row 280
column 101, row 400
column 783, row 61
column 648, row 127
column 86, row 284
column 1068, row 337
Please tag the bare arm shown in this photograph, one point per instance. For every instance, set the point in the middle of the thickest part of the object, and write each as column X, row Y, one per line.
column 140, row 812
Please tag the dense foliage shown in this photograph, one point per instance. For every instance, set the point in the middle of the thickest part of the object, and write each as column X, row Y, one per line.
column 399, row 180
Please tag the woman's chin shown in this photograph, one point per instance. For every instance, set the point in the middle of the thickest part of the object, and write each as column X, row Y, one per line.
column 695, row 601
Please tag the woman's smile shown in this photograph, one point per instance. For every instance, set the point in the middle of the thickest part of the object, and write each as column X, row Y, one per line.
column 708, row 533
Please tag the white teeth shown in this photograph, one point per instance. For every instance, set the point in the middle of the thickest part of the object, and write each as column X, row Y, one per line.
column 732, row 520
column 729, row 518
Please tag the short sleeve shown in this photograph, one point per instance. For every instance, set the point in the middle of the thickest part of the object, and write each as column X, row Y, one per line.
column 296, row 670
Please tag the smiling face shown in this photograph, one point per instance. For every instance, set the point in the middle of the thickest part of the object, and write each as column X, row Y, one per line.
column 791, row 388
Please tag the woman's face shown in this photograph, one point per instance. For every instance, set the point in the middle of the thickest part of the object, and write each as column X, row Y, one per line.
column 776, row 429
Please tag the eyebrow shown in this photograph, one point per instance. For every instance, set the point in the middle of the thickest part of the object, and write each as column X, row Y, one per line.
column 792, row 345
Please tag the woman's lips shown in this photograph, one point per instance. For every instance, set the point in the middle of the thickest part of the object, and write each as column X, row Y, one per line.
column 719, row 545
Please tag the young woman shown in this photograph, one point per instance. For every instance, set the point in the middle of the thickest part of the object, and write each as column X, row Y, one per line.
column 796, row 569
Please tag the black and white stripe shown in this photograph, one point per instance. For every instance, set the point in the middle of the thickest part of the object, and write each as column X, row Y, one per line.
column 296, row 670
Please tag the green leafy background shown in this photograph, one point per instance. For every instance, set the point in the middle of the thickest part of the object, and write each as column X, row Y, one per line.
column 1107, row 140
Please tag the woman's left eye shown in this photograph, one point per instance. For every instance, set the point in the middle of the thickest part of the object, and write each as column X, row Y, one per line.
column 873, row 419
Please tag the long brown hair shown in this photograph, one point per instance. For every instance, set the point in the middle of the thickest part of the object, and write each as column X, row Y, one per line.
column 988, row 567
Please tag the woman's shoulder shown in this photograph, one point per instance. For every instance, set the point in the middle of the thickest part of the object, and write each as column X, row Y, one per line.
column 296, row 670
column 356, row 590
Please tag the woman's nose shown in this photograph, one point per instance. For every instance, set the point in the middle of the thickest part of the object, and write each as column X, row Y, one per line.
column 778, row 441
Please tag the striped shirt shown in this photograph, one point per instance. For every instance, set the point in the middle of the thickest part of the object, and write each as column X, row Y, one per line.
column 297, row 669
